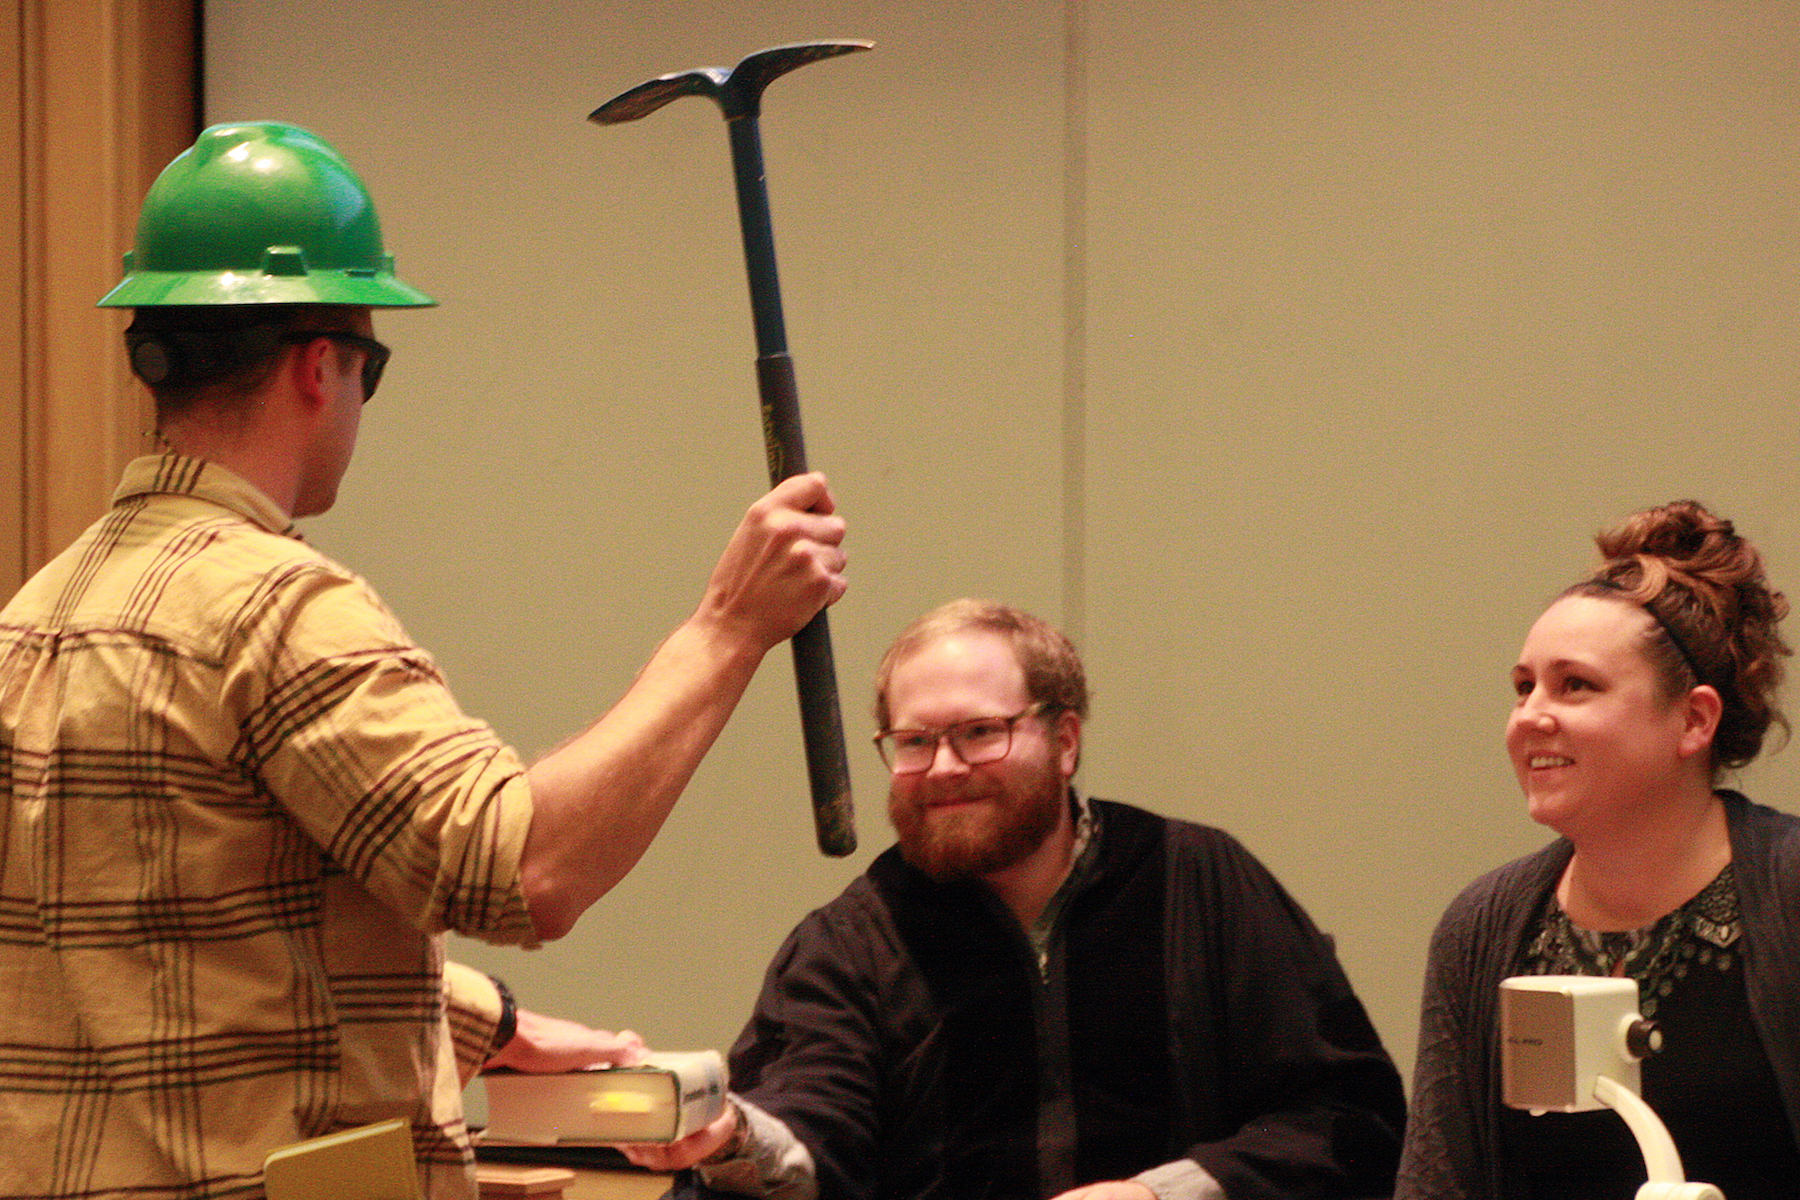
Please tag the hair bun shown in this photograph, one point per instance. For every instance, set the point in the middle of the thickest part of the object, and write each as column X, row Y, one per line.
column 1682, row 533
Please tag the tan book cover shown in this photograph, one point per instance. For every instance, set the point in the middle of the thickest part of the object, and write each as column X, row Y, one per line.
column 369, row 1162
column 501, row 1179
column 662, row 1099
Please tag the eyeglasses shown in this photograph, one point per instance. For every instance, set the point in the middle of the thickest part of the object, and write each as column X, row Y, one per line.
column 982, row 740
column 375, row 355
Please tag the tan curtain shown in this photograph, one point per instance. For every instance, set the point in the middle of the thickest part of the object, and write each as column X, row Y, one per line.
column 95, row 96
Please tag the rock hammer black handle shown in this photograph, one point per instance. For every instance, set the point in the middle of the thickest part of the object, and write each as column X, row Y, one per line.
column 815, row 674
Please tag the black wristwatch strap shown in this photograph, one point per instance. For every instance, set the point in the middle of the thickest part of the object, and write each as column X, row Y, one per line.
column 509, row 1016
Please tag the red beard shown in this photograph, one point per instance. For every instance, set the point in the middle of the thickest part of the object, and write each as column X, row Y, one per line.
column 989, row 835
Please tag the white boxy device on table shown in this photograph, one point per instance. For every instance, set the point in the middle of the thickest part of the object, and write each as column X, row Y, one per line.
column 1559, row 1033
column 1571, row 1043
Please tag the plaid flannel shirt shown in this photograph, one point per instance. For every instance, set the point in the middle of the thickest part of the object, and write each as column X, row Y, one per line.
column 240, row 809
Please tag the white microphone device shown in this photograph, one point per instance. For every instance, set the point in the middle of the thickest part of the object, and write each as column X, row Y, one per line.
column 1572, row 1043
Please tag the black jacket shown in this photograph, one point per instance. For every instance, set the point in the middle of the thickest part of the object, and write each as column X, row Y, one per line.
column 1189, row 1009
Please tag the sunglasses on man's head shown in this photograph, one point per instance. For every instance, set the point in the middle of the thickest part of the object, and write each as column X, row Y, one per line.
column 375, row 355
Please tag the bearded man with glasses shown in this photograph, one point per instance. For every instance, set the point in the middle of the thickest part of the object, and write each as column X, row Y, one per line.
column 1039, row 994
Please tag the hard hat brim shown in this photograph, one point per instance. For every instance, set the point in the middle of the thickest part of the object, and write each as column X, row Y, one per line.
column 156, row 289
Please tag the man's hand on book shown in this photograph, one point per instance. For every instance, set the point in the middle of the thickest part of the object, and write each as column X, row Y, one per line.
column 702, row 1144
column 543, row 1045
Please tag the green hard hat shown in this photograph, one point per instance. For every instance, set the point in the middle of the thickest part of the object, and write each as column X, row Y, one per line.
column 259, row 213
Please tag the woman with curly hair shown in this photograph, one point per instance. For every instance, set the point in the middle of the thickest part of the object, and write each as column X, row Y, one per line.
column 1636, row 691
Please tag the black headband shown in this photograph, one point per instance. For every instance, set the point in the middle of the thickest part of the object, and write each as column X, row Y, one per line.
column 1669, row 631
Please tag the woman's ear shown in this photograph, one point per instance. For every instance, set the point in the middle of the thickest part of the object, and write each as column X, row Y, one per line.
column 1703, row 709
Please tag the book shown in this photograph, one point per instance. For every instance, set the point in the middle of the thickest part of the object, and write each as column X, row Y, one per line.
column 496, row 1180
column 662, row 1099
column 369, row 1162
column 596, row 1156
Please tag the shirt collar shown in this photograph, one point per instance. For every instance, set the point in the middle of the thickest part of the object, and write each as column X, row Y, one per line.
column 1081, row 854
column 181, row 475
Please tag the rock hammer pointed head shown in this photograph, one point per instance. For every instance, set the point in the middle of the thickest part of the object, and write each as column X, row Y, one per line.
column 737, row 91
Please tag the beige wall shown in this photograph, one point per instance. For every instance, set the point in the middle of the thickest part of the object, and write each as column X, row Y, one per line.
column 1289, row 353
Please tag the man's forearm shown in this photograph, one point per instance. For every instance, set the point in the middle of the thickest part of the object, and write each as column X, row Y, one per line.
column 600, row 798
column 764, row 1160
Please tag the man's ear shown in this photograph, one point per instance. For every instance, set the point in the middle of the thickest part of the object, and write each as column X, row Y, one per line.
column 309, row 367
column 1700, row 719
column 1066, row 734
